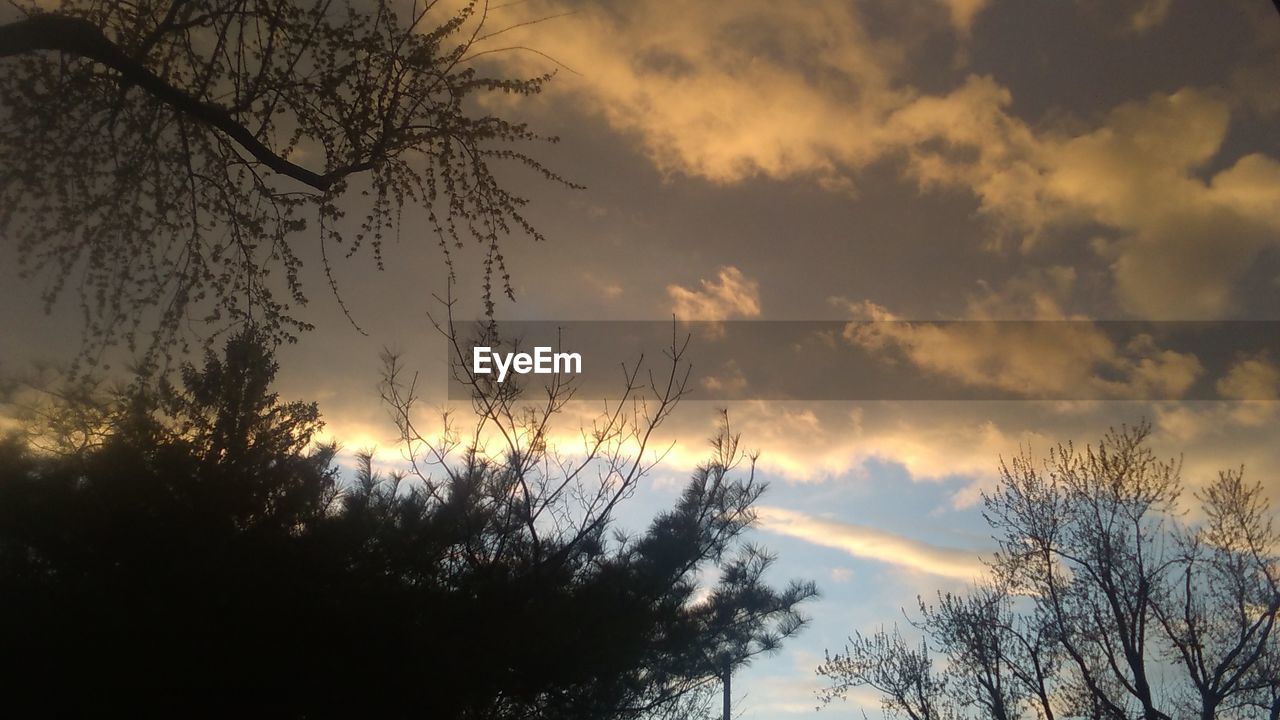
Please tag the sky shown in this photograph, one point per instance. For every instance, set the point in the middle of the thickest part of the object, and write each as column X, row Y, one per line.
column 926, row 161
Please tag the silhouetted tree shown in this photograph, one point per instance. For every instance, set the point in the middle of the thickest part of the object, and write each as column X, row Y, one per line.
column 208, row 542
column 1102, row 602
column 163, row 156
column 168, row 553
column 886, row 662
column 540, row 514
column 1220, row 617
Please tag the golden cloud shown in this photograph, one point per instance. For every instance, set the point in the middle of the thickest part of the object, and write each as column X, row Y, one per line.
column 730, row 295
column 873, row 544
column 1033, row 359
column 730, row 91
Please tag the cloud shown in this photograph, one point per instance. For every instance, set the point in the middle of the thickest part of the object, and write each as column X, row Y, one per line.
column 1034, row 359
column 729, row 382
column 607, row 289
column 964, row 11
column 1254, row 380
column 872, row 544
column 1181, row 240
column 1253, row 377
column 956, row 446
column 822, row 442
column 1040, row 358
column 730, row 295
column 1036, row 294
column 1150, row 14
column 727, row 92
column 1178, row 240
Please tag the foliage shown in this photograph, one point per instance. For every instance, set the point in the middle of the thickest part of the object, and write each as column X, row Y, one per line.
column 207, row 542
column 162, row 157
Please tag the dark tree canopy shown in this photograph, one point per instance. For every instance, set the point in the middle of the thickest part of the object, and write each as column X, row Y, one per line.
column 205, row 541
column 162, row 158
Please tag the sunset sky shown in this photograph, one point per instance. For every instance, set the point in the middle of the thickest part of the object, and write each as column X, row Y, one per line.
column 863, row 160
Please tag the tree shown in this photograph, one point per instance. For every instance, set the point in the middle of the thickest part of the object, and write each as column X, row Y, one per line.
column 1221, row 618
column 887, row 663
column 539, row 508
column 162, row 157
column 999, row 664
column 207, row 541
column 167, row 553
column 1102, row 602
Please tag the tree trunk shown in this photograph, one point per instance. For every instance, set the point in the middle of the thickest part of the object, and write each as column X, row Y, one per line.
column 728, row 674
